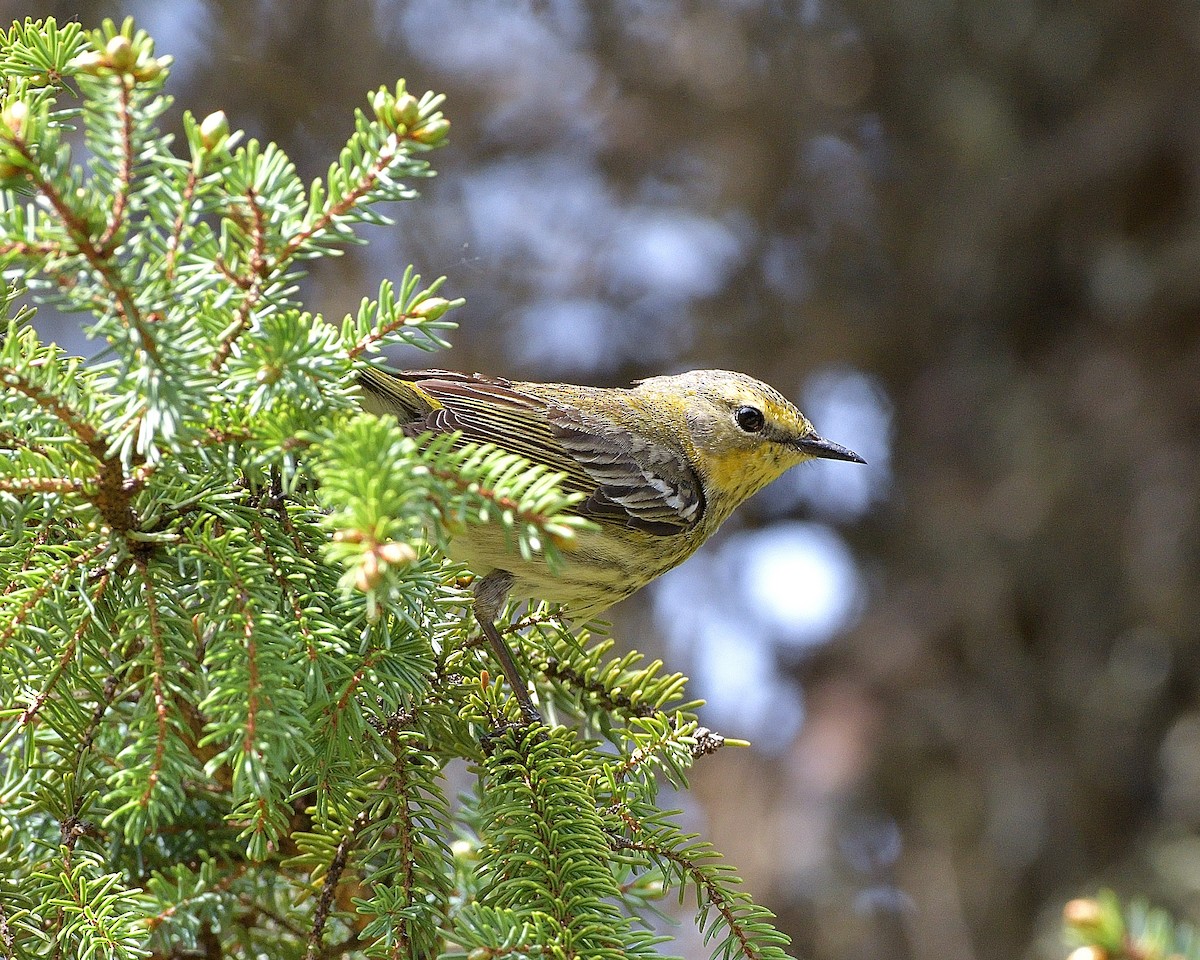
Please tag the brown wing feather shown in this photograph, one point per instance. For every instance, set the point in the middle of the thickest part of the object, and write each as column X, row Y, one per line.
column 643, row 484
column 631, row 481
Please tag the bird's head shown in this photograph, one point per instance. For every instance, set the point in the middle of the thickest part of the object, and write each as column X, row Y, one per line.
column 744, row 433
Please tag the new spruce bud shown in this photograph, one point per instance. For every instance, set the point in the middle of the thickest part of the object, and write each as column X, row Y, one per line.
column 214, row 130
column 396, row 553
column 430, row 308
column 408, row 109
column 433, row 132
column 91, row 62
column 119, row 53
column 381, row 106
column 14, row 117
column 369, row 574
column 1083, row 914
column 150, row 69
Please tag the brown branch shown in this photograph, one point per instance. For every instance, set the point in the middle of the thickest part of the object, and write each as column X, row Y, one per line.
column 160, row 700
column 242, row 283
column 99, row 257
column 26, row 249
column 218, row 437
column 375, row 336
column 22, row 486
column 124, row 170
column 254, row 683
column 259, row 271
column 255, row 908
column 353, row 683
column 711, row 890
column 221, row 886
column 35, row 705
column 533, row 517
column 73, row 420
column 176, row 238
column 113, row 494
column 108, row 694
column 637, row 759
column 333, row 875
column 210, row 943
column 10, row 441
column 261, row 267
column 397, row 784
column 600, row 694
column 71, row 828
column 343, row 206
column 93, row 918
column 15, row 584
column 44, row 588
column 532, row 620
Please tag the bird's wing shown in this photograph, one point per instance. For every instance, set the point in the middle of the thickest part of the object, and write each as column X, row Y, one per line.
column 626, row 479
column 638, row 482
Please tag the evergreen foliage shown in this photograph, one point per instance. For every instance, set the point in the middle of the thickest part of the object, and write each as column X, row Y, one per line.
column 233, row 666
column 1105, row 929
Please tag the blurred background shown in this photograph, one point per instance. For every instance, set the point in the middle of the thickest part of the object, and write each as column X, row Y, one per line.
column 965, row 237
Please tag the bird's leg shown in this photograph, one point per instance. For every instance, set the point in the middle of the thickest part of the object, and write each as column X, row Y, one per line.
column 490, row 593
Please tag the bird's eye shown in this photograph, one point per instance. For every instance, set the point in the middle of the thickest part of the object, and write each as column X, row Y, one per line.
column 750, row 419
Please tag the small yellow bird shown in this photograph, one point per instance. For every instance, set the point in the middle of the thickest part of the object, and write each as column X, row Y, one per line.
column 661, row 465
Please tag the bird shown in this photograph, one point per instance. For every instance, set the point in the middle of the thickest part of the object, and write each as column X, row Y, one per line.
column 659, row 466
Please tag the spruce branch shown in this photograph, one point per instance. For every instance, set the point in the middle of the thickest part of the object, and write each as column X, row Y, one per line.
column 157, row 689
column 252, row 282
column 108, row 694
column 73, row 420
column 29, row 714
column 109, row 489
column 1105, row 928
column 235, row 669
column 749, row 933
column 124, row 180
column 410, row 314
column 98, row 253
column 19, row 616
column 333, row 874
column 186, row 207
column 19, row 487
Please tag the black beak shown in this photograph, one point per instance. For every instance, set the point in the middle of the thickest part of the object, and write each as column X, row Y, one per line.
column 816, row 446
